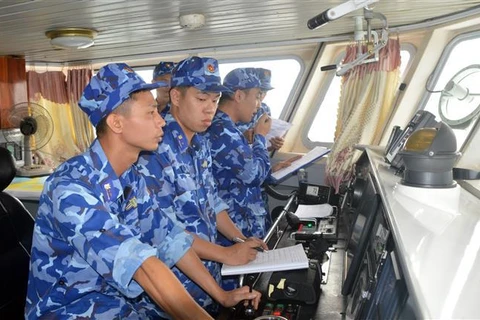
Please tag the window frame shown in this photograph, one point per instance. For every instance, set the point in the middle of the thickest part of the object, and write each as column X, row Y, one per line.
column 323, row 91
column 433, row 79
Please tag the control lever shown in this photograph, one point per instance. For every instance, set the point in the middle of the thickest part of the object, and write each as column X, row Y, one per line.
column 249, row 309
column 292, row 220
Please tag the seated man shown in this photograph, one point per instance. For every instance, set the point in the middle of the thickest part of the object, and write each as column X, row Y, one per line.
column 238, row 167
column 92, row 253
column 179, row 173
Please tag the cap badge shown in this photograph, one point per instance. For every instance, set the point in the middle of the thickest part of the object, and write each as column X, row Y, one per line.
column 210, row 68
column 127, row 68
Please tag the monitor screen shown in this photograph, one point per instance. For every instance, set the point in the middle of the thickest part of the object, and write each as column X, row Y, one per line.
column 390, row 293
column 359, row 238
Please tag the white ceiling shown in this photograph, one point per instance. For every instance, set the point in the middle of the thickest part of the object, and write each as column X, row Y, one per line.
column 134, row 28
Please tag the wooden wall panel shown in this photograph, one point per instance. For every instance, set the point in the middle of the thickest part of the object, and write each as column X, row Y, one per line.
column 13, row 86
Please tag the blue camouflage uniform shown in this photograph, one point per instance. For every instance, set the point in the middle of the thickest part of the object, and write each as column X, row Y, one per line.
column 163, row 67
column 265, row 77
column 240, row 168
column 180, row 175
column 166, row 110
column 94, row 229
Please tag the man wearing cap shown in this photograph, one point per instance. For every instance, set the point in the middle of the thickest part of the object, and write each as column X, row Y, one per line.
column 96, row 250
column 163, row 73
column 180, row 172
column 265, row 76
column 240, row 168
column 276, row 143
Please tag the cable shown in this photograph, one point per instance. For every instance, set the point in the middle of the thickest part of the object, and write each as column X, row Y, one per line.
column 428, row 90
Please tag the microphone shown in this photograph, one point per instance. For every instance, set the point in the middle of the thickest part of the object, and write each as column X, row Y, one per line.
column 328, row 67
column 319, row 20
column 337, row 12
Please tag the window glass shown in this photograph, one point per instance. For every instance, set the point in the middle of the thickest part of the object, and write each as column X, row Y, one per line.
column 322, row 128
column 146, row 74
column 459, row 56
column 284, row 74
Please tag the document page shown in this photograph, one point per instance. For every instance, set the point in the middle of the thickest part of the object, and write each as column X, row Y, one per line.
column 279, row 129
column 289, row 258
column 308, row 158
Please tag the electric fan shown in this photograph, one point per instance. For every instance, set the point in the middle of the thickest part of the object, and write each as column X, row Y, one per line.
column 460, row 99
column 36, row 126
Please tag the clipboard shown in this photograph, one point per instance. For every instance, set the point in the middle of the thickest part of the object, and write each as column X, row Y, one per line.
column 309, row 158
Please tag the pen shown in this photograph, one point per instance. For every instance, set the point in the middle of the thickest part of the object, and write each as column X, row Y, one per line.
column 238, row 240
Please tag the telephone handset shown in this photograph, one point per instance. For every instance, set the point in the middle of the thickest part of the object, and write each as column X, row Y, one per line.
column 396, row 142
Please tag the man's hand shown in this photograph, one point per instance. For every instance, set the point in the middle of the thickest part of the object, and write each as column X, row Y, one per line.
column 263, row 125
column 276, row 143
column 286, row 163
column 242, row 253
column 232, row 298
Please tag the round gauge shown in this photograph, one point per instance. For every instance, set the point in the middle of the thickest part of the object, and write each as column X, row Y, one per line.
column 460, row 99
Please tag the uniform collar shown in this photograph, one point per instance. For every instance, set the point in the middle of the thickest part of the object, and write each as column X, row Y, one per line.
column 220, row 115
column 110, row 184
column 179, row 136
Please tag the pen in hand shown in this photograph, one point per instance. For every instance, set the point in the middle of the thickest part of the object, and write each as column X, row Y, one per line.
column 238, row 240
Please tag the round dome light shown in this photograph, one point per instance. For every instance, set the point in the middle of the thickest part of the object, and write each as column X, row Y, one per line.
column 71, row 38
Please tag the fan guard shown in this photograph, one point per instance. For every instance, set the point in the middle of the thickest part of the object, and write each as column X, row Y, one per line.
column 36, row 126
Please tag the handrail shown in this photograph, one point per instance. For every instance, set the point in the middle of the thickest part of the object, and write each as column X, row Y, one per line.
column 280, row 216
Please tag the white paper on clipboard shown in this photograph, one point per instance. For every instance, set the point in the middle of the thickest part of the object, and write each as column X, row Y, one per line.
column 314, row 154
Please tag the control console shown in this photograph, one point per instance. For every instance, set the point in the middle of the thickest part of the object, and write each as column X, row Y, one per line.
column 286, row 310
column 318, row 228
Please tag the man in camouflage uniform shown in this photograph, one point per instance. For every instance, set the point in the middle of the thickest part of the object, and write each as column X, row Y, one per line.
column 265, row 77
column 163, row 73
column 100, row 243
column 276, row 143
column 238, row 167
column 179, row 172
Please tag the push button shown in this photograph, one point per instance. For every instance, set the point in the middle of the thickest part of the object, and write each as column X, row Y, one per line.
column 278, row 309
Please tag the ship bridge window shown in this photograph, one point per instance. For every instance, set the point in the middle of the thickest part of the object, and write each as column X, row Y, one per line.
column 459, row 63
column 322, row 128
column 285, row 73
column 284, row 76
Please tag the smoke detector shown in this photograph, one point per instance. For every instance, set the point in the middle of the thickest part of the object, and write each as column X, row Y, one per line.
column 192, row 21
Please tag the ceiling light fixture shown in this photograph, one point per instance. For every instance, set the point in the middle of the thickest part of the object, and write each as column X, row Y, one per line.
column 192, row 21
column 71, row 38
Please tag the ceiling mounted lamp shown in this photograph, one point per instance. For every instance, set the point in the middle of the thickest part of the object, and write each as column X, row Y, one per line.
column 192, row 21
column 71, row 38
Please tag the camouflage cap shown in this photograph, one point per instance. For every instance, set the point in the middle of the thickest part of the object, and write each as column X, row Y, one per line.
column 241, row 78
column 201, row 73
column 265, row 77
column 164, row 67
column 109, row 88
